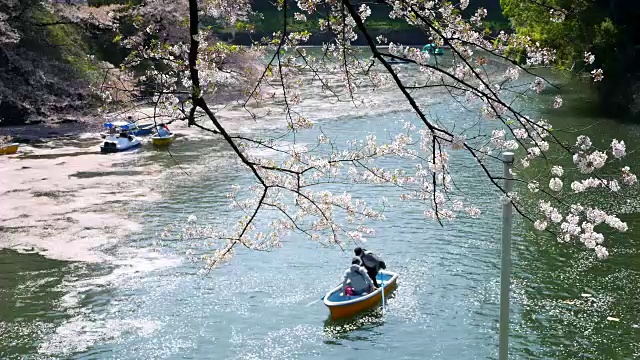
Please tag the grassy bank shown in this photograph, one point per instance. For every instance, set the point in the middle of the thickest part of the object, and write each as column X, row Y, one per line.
column 48, row 73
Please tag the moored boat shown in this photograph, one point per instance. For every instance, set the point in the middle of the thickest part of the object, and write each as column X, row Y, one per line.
column 8, row 149
column 341, row 305
column 133, row 128
column 162, row 140
column 433, row 49
column 143, row 129
column 116, row 142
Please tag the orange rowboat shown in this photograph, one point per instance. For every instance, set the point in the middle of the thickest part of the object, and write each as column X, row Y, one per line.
column 342, row 306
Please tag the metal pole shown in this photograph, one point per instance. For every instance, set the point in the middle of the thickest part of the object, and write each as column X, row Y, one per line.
column 505, row 266
column 382, row 286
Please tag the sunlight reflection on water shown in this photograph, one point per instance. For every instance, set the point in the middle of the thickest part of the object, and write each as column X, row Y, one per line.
column 146, row 302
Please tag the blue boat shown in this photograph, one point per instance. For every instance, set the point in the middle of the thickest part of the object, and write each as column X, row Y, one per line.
column 143, row 129
column 132, row 128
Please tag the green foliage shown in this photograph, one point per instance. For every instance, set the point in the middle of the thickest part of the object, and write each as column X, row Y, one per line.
column 51, row 68
column 586, row 27
column 607, row 28
column 62, row 42
column 604, row 33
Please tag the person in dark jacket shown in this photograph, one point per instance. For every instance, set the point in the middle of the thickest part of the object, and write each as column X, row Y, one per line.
column 371, row 262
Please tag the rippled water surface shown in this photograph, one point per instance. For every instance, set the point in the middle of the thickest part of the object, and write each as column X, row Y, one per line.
column 145, row 300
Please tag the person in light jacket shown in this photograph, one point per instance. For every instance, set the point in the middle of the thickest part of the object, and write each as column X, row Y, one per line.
column 356, row 277
column 163, row 130
column 371, row 262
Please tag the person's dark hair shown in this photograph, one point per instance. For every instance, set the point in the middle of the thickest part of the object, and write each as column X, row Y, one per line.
column 358, row 251
column 356, row 261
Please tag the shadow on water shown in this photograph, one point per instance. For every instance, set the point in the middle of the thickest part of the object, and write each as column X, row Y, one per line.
column 53, row 156
column 28, row 299
column 569, row 298
column 35, row 300
column 359, row 327
column 92, row 174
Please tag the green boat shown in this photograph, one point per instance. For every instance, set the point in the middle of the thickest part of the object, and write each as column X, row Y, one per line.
column 432, row 49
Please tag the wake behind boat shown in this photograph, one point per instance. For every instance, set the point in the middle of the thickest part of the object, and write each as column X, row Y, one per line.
column 341, row 305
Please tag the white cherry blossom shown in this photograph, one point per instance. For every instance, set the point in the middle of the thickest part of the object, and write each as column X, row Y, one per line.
column 294, row 185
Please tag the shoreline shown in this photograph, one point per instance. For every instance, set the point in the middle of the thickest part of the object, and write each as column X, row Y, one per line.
column 57, row 195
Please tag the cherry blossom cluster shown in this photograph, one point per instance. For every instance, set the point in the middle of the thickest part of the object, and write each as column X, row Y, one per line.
column 295, row 190
column 7, row 33
column 318, row 213
column 574, row 221
column 162, row 45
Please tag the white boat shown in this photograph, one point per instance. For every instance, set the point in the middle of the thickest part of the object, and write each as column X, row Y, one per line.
column 116, row 142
